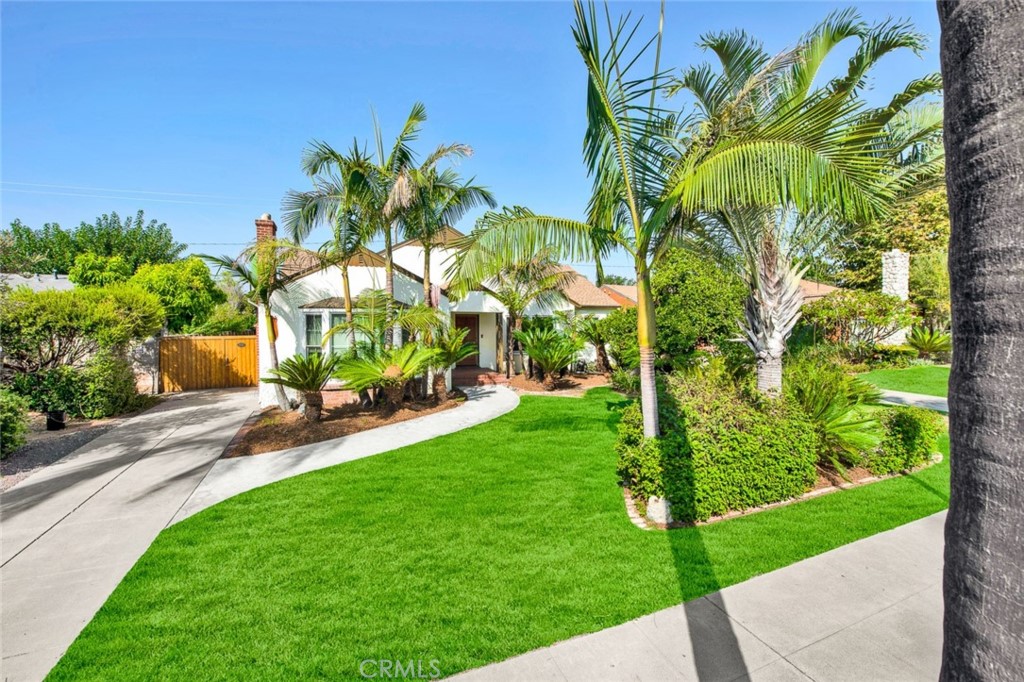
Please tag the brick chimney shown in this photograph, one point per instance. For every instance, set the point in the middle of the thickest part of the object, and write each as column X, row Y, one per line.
column 266, row 228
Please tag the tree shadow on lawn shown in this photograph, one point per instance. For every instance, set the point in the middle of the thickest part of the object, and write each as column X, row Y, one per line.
column 712, row 638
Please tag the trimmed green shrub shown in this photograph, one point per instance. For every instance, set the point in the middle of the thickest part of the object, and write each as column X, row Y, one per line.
column 103, row 387
column 886, row 356
column 721, row 449
column 910, row 436
column 626, row 380
column 109, row 386
column 619, row 329
column 850, row 316
column 13, row 420
column 58, row 388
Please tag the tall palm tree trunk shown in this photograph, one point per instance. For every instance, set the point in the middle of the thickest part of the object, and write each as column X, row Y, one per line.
column 349, row 313
column 389, row 286
column 268, row 320
column 426, row 275
column 646, row 330
column 982, row 71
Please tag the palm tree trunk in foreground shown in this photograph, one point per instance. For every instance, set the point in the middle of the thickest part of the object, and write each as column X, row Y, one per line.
column 646, row 336
column 983, row 582
column 268, row 320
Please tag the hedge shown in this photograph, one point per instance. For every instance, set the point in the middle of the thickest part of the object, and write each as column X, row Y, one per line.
column 909, row 439
column 13, row 420
column 720, row 450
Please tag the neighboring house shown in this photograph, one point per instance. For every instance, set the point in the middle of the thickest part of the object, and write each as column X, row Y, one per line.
column 812, row 291
column 37, row 282
column 314, row 303
column 623, row 294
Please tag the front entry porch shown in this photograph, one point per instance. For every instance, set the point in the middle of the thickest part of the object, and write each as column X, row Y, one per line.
column 471, row 375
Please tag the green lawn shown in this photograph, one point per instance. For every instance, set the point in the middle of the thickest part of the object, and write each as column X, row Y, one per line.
column 467, row 549
column 926, row 379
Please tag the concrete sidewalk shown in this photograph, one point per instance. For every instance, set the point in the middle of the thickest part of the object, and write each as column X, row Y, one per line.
column 870, row 610
column 931, row 402
column 69, row 533
column 230, row 477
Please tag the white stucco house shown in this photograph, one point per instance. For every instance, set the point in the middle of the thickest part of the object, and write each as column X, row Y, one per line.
column 314, row 303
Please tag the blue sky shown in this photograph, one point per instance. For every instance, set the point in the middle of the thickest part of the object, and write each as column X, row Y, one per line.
column 198, row 112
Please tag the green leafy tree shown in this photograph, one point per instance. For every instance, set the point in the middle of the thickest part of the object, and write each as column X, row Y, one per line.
column 92, row 270
column 929, row 288
column 186, row 290
column 54, row 249
column 619, row 330
column 588, row 329
column 617, row 279
column 47, row 329
column 854, row 316
column 918, row 225
column 698, row 301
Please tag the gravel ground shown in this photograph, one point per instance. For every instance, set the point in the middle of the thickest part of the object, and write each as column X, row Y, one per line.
column 46, row 447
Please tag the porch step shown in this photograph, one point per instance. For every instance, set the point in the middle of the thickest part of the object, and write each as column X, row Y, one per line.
column 477, row 377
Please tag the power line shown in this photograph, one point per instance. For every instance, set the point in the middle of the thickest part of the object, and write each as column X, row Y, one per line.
column 131, row 191
column 122, row 198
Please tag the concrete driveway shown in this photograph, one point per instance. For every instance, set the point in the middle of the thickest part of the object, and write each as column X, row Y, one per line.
column 70, row 533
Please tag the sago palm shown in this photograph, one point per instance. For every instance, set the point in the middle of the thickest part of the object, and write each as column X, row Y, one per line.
column 449, row 346
column 656, row 172
column 551, row 349
column 260, row 270
column 306, row 374
column 589, row 329
column 386, row 370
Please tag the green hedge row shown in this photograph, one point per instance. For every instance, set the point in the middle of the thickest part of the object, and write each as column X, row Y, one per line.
column 720, row 451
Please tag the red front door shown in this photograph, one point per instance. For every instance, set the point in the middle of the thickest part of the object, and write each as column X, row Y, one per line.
column 472, row 323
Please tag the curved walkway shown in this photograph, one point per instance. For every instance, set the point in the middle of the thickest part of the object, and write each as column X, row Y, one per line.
column 230, row 477
column 931, row 402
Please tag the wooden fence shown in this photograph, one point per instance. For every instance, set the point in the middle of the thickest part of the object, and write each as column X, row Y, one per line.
column 188, row 363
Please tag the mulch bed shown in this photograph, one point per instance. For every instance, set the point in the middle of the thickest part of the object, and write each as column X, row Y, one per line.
column 570, row 384
column 272, row 430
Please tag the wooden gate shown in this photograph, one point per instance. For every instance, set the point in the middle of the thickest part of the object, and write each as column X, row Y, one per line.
column 188, row 363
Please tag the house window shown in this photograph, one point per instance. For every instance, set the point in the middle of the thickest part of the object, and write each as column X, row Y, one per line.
column 314, row 334
column 339, row 339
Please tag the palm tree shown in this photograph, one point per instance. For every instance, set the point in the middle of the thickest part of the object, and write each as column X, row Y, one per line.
column 260, row 269
column 307, row 374
column 517, row 284
column 449, row 346
column 767, row 243
column 378, row 190
column 551, row 349
column 984, row 558
column 439, row 199
column 328, row 205
column 656, row 172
